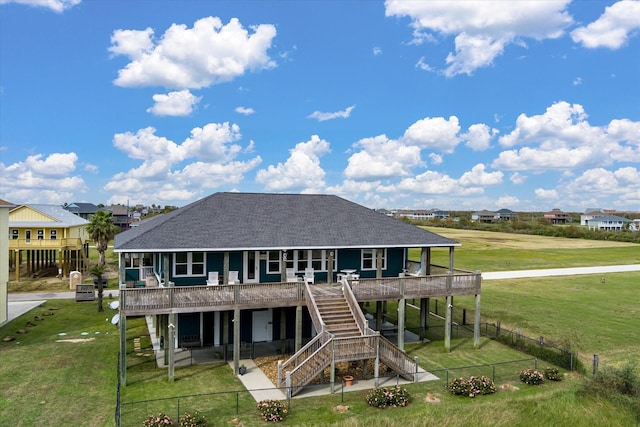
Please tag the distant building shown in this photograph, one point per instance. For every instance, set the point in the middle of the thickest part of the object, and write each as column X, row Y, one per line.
column 120, row 216
column 83, row 210
column 609, row 223
column 506, row 215
column 556, row 216
column 485, row 216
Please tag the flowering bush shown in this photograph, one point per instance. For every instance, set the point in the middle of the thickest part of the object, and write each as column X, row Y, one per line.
column 382, row 397
column 531, row 377
column 272, row 410
column 552, row 374
column 159, row 420
column 192, row 420
column 472, row 386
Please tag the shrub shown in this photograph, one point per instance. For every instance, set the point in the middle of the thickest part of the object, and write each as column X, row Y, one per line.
column 552, row 374
column 531, row 377
column 383, row 397
column 272, row 410
column 472, row 386
column 159, row 420
column 195, row 420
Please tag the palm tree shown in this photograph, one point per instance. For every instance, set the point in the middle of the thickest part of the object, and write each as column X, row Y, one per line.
column 98, row 270
column 101, row 229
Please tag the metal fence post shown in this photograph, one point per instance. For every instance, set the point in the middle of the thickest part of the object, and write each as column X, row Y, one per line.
column 596, row 361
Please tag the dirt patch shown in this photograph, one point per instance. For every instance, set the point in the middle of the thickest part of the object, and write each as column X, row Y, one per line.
column 269, row 366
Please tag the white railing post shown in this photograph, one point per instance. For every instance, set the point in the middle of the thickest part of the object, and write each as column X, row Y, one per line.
column 288, row 385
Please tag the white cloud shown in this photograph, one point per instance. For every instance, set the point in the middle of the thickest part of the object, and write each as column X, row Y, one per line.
column 562, row 138
column 577, row 81
column 246, row 111
column 377, row 51
column 613, row 28
column 434, row 133
column 482, row 29
column 209, row 53
column 380, row 157
column 174, row 103
column 517, row 178
column 478, row 177
column 546, row 195
column 510, row 201
column 300, row 172
column 41, row 180
column 144, row 144
column 163, row 176
column 423, row 65
column 213, row 142
column 436, row 159
column 431, row 182
column 321, row 117
column 57, row 6
column 479, row 137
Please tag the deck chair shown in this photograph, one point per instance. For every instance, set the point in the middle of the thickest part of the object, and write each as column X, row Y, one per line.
column 309, row 276
column 291, row 275
column 233, row 278
column 213, row 279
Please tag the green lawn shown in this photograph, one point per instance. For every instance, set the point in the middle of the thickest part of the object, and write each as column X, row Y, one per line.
column 49, row 379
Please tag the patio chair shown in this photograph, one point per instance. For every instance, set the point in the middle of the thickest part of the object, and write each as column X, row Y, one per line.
column 291, row 275
column 309, row 276
column 213, row 279
column 233, row 278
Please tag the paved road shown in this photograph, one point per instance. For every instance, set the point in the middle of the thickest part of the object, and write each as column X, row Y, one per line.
column 22, row 303
column 517, row 274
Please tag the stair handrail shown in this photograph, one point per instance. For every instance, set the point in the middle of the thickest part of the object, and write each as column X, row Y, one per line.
column 356, row 311
column 302, row 355
column 314, row 313
column 296, row 379
column 397, row 359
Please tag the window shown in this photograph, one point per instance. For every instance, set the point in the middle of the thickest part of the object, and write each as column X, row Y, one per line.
column 15, row 234
column 53, row 235
column 189, row 264
column 273, row 262
column 41, row 234
column 368, row 260
column 302, row 258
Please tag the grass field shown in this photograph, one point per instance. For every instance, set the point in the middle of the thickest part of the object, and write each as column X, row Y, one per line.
column 49, row 379
column 494, row 251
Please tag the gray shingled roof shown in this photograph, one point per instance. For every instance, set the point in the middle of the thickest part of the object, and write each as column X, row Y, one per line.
column 60, row 216
column 238, row 221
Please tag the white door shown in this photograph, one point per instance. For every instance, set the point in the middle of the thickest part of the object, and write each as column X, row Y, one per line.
column 262, row 325
column 251, row 273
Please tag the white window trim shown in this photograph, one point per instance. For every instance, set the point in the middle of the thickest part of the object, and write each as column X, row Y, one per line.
column 374, row 259
column 324, row 261
column 190, row 265
column 269, row 262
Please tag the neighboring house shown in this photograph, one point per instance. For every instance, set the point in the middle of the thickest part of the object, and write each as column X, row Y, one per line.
column 47, row 237
column 635, row 225
column 589, row 214
column 485, row 216
column 421, row 214
column 83, row 210
column 438, row 214
column 4, row 260
column 178, row 267
column 506, row 215
column 609, row 223
column 556, row 216
column 120, row 216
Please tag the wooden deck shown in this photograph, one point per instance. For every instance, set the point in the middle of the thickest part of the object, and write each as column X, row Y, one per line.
column 185, row 299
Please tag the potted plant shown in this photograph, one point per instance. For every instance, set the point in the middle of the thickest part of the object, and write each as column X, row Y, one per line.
column 242, row 370
column 348, row 380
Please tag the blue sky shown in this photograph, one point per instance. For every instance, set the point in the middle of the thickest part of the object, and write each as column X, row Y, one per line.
column 400, row 104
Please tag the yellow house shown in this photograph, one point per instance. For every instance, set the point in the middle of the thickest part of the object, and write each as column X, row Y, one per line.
column 4, row 264
column 46, row 238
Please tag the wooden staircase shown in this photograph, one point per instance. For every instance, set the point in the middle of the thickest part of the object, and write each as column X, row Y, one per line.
column 337, row 316
column 343, row 335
